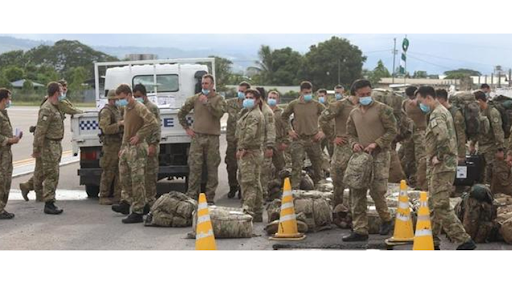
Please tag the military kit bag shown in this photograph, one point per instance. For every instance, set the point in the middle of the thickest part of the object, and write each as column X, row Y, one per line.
column 173, row 209
column 394, row 100
column 466, row 102
column 468, row 171
column 504, row 106
column 228, row 222
column 358, row 174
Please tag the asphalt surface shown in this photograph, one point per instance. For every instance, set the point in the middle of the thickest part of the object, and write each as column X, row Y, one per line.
column 86, row 225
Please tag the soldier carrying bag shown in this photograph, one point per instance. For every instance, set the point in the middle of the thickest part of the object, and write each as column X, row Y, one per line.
column 359, row 172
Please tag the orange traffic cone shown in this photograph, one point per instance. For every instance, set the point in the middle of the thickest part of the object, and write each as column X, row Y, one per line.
column 423, row 239
column 287, row 222
column 403, row 223
column 205, row 240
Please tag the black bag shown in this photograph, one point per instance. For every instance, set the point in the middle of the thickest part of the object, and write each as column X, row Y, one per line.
column 468, row 171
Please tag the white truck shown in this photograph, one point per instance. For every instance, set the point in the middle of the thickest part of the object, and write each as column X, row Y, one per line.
column 169, row 83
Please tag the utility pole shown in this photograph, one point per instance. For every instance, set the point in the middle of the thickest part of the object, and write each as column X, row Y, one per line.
column 394, row 55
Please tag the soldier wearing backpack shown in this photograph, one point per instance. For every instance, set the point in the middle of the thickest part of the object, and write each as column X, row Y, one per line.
column 489, row 142
column 441, row 155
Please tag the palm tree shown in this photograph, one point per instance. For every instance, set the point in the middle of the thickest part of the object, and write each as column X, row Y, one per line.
column 264, row 66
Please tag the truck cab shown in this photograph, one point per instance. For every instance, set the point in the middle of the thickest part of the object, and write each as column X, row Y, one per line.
column 169, row 83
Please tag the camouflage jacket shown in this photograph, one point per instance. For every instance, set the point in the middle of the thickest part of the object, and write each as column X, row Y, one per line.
column 270, row 126
column 155, row 135
column 388, row 125
column 109, row 116
column 460, row 130
column 65, row 107
column 337, row 114
column 250, row 129
column 233, row 107
column 5, row 129
column 281, row 134
column 49, row 125
column 495, row 139
column 440, row 141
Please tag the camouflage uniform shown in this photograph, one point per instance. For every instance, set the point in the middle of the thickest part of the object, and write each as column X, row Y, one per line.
column 440, row 143
column 250, row 133
column 306, row 113
column 338, row 112
column 268, row 143
column 415, row 147
column 359, row 126
column 47, row 141
column 153, row 165
column 460, row 129
column 35, row 182
column 233, row 107
column 109, row 117
column 133, row 158
column 5, row 159
column 278, row 159
column 205, row 143
column 489, row 143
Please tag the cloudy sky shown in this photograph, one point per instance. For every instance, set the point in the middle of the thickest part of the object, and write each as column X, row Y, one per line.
column 434, row 53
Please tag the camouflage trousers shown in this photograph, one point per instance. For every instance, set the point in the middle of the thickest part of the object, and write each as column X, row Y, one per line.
column 279, row 161
column 152, row 168
column 50, row 157
column 249, row 176
column 406, row 156
column 378, row 190
column 109, row 163
column 265, row 175
column 231, row 163
column 396, row 173
column 501, row 178
column 340, row 158
column 443, row 216
column 132, row 166
column 203, row 149
column 328, row 144
column 488, row 156
column 35, row 183
column 305, row 144
column 5, row 176
column 416, row 150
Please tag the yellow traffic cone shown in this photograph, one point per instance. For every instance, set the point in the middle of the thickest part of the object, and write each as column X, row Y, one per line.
column 403, row 223
column 287, row 222
column 205, row 240
column 423, row 239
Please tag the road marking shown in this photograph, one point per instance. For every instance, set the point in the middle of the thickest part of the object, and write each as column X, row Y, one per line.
column 28, row 161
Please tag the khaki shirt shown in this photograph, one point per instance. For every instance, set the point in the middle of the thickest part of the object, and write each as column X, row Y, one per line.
column 206, row 116
column 138, row 121
column 305, row 116
column 338, row 112
column 281, row 134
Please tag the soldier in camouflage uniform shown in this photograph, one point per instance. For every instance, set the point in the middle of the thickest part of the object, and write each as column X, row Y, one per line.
column 328, row 129
column 371, row 127
column 111, row 126
column 268, row 142
column 233, row 107
column 339, row 93
column 35, row 182
column 338, row 113
column 441, row 167
column 139, row 122
column 306, row 135
column 458, row 122
column 282, row 138
column 488, row 143
column 7, row 139
column 209, row 107
column 153, row 140
column 47, row 145
column 250, row 136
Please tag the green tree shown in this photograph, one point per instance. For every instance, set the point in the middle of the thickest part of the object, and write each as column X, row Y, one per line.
column 28, row 87
column 280, row 67
column 77, row 78
column 377, row 73
column 420, row 74
column 263, row 69
column 461, row 73
column 13, row 73
column 12, row 58
column 4, row 83
column 222, row 72
column 332, row 58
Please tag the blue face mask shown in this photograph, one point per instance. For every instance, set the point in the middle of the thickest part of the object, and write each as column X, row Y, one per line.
column 62, row 97
column 272, row 102
column 321, row 100
column 424, row 108
column 121, row 102
column 140, row 100
column 248, row 103
column 241, row 95
column 205, row 92
column 8, row 105
column 308, row 97
column 338, row 96
column 365, row 101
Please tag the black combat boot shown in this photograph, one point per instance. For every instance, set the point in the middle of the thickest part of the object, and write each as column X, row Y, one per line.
column 469, row 245
column 6, row 215
column 133, row 218
column 50, row 208
column 355, row 237
column 385, row 228
column 258, row 218
column 146, row 209
column 232, row 191
column 123, row 208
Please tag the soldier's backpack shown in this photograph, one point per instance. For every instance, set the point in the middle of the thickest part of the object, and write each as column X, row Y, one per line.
column 228, row 222
column 393, row 100
column 477, row 212
column 504, row 106
column 173, row 209
column 466, row 102
column 359, row 172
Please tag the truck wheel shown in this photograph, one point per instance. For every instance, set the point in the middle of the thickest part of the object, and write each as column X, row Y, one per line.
column 92, row 191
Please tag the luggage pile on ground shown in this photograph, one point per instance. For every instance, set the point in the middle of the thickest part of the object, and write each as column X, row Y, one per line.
column 173, row 209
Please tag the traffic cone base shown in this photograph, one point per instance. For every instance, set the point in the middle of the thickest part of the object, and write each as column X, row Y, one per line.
column 423, row 239
column 205, row 239
column 403, row 231
column 287, row 230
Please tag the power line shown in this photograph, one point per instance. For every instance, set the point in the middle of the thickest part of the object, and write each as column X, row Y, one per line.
column 419, row 59
column 451, row 59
